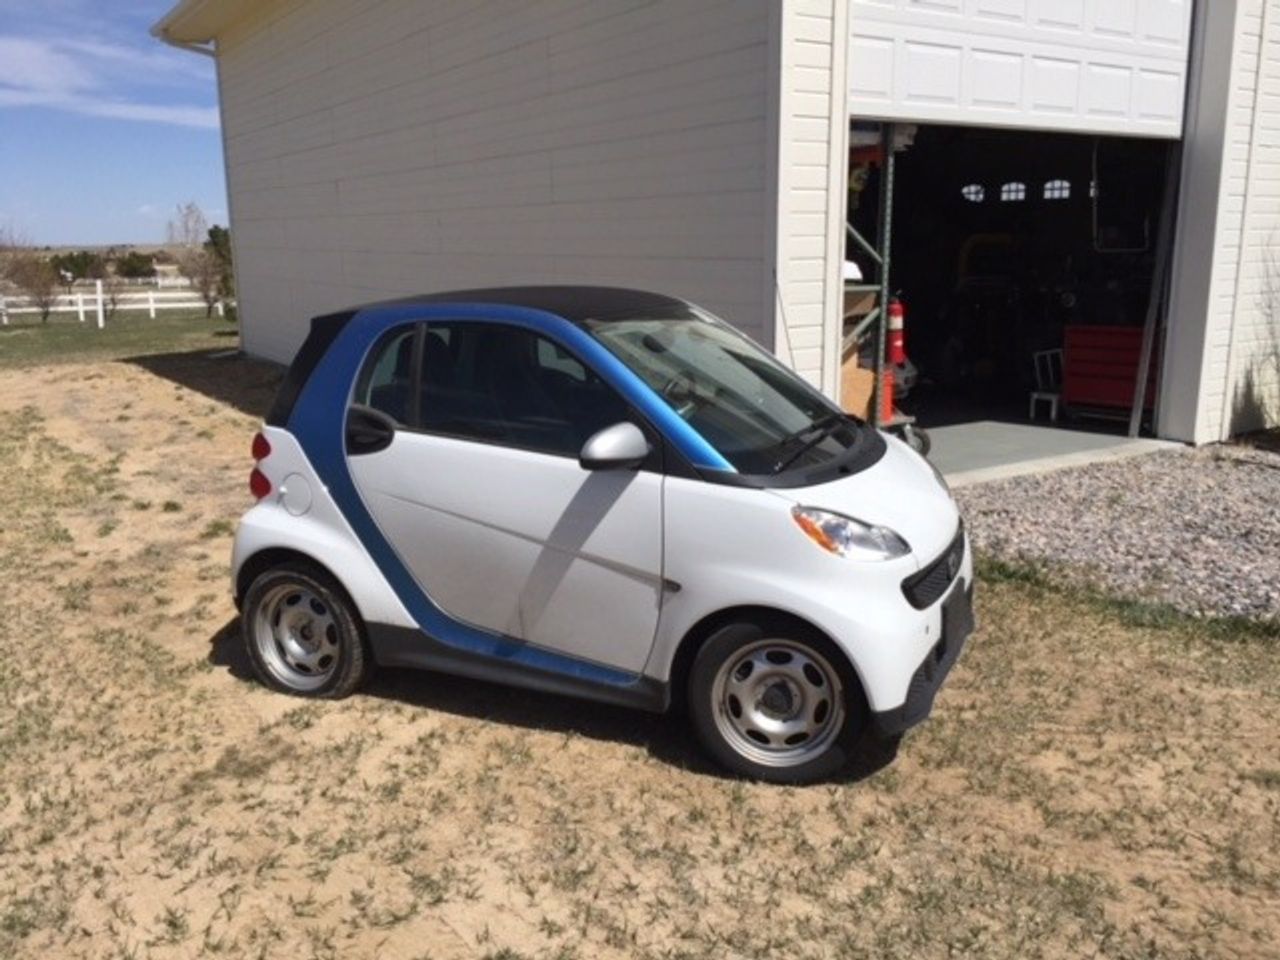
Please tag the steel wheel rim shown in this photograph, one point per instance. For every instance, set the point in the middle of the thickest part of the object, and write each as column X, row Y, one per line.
column 297, row 636
column 778, row 703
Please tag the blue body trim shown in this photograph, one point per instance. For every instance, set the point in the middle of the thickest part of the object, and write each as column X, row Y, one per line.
column 318, row 423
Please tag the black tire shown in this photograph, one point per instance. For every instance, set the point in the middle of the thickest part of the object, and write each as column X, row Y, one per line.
column 343, row 662
column 715, row 723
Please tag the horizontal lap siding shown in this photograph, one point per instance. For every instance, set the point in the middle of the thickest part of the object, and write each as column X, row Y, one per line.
column 1240, row 388
column 1226, row 267
column 1245, row 364
column 377, row 149
column 810, row 192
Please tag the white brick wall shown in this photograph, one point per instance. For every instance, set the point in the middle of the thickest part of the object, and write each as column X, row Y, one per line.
column 383, row 148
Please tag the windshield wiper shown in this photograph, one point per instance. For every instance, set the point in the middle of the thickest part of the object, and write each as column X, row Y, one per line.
column 821, row 428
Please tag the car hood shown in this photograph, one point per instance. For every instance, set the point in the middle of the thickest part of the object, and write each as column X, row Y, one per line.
column 899, row 491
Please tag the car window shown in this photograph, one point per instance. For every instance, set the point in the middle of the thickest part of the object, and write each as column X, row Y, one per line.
column 387, row 381
column 554, row 357
column 759, row 415
column 508, row 385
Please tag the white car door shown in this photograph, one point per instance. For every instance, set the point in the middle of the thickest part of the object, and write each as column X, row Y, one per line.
column 481, row 495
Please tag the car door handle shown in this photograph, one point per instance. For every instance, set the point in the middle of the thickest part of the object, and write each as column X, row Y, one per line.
column 368, row 430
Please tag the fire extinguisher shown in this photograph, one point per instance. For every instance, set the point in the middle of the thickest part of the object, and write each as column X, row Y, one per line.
column 899, row 377
column 895, row 356
column 896, row 345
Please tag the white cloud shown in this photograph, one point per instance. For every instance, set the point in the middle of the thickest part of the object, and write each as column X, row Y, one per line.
column 142, row 61
column 204, row 118
column 98, row 79
column 37, row 66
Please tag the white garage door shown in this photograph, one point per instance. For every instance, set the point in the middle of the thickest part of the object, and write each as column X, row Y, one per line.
column 1099, row 66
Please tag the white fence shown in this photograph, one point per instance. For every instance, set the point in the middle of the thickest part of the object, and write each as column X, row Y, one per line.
column 97, row 302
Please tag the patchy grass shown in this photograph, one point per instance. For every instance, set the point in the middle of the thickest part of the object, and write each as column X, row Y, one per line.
column 25, row 341
column 1133, row 612
column 1097, row 780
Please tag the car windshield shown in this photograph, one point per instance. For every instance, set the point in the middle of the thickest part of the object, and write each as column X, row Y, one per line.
column 760, row 416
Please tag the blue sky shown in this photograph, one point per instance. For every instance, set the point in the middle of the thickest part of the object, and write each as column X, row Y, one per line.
column 104, row 130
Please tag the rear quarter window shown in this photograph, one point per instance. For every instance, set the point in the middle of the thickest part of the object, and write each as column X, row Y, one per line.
column 386, row 382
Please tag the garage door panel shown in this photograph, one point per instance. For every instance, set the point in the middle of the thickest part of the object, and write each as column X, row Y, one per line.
column 1015, row 10
column 1104, row 66
column 929, row 73
column 1119, row 18
column 1058, row 14
column 996, row 78
column 871, row 73
column 1165, row 21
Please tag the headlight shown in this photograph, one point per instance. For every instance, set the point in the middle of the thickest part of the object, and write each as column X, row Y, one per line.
column 847, row 537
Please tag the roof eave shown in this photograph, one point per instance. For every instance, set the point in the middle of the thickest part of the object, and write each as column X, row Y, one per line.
column 195, row 24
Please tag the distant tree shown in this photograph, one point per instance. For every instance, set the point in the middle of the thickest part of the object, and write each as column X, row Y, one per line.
column 78, row 266
column 189, row 225
column 36, row 278
column 12, row 244
column 202, row 270
column 219, row 244
column 135, row 265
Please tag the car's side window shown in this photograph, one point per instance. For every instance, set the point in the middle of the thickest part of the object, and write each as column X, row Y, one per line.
column 508, row 385
column 552, row 356
column 386, row 383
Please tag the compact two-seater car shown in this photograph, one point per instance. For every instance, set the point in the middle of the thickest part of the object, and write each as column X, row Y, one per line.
column 603, row 493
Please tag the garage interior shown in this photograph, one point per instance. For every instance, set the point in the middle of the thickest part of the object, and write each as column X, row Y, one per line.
column 1030, row 267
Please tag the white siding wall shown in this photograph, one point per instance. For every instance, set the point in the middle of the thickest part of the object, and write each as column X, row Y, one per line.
column 813, row 138
column 1244, row 389
column 1222, row 367
column 385, row 148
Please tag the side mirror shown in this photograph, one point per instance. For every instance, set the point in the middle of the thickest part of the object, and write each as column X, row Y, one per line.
column 620, row 447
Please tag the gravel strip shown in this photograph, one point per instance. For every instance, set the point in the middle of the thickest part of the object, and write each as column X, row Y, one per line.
column 1199, row 529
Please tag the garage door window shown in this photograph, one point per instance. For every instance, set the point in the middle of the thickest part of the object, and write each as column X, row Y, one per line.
column 1013, row 192
column 1057, row 190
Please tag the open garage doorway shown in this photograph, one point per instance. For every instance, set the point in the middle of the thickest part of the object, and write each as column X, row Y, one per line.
column 1026, row 263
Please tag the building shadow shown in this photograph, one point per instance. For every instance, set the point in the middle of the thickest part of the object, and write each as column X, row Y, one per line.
column 667, row 738
column 228, row 377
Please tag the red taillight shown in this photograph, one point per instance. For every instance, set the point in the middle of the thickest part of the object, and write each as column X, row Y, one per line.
column 259, row 484
column 261, row 447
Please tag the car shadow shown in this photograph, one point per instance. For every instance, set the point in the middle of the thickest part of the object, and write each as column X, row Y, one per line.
column 668, row 738
column 226, row 376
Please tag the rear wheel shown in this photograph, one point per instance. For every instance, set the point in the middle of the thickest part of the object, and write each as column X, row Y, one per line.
column 302, row 633
column 775, row 702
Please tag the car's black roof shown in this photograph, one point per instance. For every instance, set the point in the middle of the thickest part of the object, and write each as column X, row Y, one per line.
column 574, row 303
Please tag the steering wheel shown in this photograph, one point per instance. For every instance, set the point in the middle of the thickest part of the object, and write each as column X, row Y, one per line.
column 681, row 391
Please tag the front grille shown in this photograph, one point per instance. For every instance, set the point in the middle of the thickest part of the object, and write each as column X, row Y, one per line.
column 925, row 588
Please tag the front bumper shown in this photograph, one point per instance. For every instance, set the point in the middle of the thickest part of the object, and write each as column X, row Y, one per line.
column 957, row 624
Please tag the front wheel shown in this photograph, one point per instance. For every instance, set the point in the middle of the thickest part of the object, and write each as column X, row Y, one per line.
column 775, row 702
column 302, row 633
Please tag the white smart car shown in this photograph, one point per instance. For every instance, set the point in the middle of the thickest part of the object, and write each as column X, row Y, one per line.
column 603, row 493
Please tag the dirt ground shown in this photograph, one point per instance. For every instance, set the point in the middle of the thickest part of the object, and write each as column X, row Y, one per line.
column 1086, row 787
